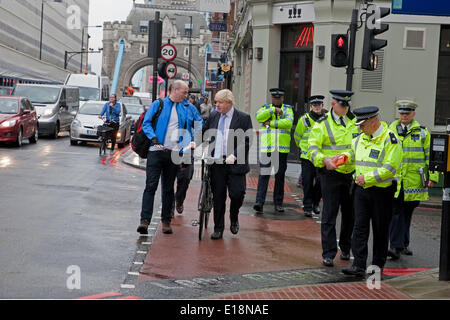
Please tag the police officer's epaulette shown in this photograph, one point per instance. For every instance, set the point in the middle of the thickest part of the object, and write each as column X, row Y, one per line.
column 394, row 139
column 350, row 115
column 321, row 118
column 287, row 106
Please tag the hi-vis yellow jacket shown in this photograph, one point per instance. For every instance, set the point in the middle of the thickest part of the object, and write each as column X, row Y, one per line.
column 416, row 155
column 378, row 159
column 328, row 138
column 278, row 136
column 302, row 132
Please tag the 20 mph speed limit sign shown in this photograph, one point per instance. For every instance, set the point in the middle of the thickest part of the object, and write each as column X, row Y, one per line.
column 171, row 70
column 168, row 52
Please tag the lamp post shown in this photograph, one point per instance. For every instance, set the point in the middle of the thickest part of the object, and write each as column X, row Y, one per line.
column 82, row 44
column 74, row 53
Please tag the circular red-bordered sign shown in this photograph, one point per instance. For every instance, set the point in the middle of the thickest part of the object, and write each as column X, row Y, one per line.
column 168, row 52
column 171, row 70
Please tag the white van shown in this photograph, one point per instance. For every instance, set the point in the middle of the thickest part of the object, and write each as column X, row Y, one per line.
column 56, row 105
column 92, row 87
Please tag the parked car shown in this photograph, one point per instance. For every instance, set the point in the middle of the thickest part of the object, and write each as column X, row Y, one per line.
column 56, row 105
column 84, row 126
column 18, row 120
column 134, row 110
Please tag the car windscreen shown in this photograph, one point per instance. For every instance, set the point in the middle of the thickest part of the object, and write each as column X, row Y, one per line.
column 91, row 108
column 134, row 108
column 146, row 101
column 45, row 95
column 130, row 100
column 9, row 106
column 89, row 94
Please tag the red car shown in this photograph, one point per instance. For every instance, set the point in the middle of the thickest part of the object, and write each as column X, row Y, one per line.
column 18, row 120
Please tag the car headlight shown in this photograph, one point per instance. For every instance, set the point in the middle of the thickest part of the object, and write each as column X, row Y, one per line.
column 47, row 112
column 76, row 123
column 7, row 124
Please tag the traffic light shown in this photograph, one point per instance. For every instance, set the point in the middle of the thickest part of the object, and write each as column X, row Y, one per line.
column 162, row 70
column 369, row 59
column 339, row 50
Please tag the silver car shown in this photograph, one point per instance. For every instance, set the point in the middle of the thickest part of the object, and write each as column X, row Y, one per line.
column 134, row 110
column 84, row 126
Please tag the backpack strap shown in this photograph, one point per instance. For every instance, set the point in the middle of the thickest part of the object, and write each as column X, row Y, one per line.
column 156, row 115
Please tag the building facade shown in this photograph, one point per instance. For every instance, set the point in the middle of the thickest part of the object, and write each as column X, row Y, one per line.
column 276, row 44
column 23, row 24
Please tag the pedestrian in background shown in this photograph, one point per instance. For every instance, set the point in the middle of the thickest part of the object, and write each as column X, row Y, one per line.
column 377, row 154
column 228, row 172
column 329, row 138
column 415, row 177
column 205, row 108
column 309, row 176
column 276, row 121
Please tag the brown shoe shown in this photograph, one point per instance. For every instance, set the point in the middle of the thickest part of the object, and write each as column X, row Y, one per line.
column 143, row 227
column 180, row 208
column 166, row 228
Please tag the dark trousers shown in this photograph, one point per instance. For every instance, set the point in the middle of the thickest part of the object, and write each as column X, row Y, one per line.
column 401, row 221
column 336, row 194
column 263, row 180
column 222, row 180
column 311, row 185
column 115, row 126
column 372, row 204
column 159, row 165
column 185, row 173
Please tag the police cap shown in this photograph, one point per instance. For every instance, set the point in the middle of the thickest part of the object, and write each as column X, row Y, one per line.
column 316, row 99
column 365, row 113
column 406, row 106
column 277, row 92
column 343, row 97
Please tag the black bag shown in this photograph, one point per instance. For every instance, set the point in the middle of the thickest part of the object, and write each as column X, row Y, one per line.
column 140, row 143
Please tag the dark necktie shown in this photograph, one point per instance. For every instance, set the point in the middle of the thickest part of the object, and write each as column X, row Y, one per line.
column 342, row 121
column 405, row 130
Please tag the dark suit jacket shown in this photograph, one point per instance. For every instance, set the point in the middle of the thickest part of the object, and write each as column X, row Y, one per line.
column 239, row 141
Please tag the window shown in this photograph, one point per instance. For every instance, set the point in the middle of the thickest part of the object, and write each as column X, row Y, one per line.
column 414, row 38
column 442, row 106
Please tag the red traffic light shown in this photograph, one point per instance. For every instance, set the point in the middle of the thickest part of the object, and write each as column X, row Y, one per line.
column 340, row 42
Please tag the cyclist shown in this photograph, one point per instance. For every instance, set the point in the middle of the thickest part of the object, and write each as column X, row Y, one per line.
column 112, row 110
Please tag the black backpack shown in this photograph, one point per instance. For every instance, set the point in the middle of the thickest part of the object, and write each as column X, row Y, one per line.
column 140, row 143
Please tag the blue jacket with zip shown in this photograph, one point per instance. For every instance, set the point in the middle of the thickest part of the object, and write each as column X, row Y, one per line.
column 186, row 119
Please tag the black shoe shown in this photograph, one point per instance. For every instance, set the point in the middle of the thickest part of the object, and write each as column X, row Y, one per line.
column 234, row 228
column 217, row 235
column 327, row 262
column 258, row 207
column 345, row 256
column 394, row 254
column 354, row 271
column 279, row 209
column 143, row 227
column 316, row 209
column 407, row 252
column 308, row 214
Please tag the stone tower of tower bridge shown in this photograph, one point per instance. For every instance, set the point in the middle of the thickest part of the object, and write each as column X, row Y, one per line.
column 134, row 32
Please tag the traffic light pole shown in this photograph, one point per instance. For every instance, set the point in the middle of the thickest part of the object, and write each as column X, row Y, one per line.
column 351, row 50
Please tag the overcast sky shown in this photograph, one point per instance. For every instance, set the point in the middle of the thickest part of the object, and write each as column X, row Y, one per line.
column 99, row 12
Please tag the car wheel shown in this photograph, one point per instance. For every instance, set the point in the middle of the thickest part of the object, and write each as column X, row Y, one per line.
column 35, row 136
column 73, row 142
column 19, row 138
column 56, row 131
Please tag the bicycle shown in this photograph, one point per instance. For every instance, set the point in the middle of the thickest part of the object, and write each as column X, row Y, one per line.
column 205, row 199
column 104, row 133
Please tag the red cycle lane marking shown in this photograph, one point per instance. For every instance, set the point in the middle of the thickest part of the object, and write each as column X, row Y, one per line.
column 101, row 296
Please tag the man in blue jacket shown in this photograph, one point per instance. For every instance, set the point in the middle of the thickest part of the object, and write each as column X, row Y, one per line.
column 166, row 135
column 186, row 168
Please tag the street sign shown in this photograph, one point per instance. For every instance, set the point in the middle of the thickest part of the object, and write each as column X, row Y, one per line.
column 217, row 26
column 171, row 70
column 168, row 52
column 225, row 67
column 185, row 76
